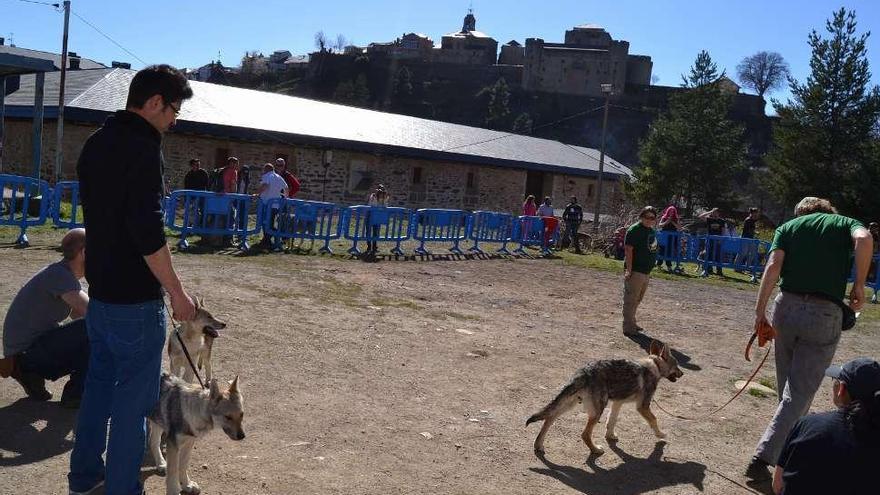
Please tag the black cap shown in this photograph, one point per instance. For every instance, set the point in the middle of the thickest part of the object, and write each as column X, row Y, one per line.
column 862, row 377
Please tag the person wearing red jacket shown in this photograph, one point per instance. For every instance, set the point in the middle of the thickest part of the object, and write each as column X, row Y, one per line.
column 292, row 182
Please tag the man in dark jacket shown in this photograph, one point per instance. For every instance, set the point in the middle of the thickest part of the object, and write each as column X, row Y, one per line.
column 573, row 215
column 197, row 178
column 120, row 172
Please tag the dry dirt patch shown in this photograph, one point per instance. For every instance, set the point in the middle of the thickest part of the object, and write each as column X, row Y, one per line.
column 417, row 377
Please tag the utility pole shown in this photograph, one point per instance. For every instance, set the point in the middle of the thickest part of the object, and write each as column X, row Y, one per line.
column 59, row 127
column 606, row 88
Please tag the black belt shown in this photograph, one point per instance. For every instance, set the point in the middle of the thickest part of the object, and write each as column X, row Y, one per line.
column 849, row 316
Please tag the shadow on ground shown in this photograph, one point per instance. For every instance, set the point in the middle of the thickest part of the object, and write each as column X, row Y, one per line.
column 644, row 341
column 633, row 475
column 32, row 431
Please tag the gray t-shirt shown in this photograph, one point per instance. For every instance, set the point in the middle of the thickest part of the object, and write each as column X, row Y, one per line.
column 38, row 307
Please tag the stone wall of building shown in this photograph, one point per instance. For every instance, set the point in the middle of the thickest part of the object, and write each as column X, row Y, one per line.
column 412, row 182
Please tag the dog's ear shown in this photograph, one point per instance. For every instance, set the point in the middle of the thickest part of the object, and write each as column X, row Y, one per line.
column 664, row 352
column 200, row 303
column 233, row 386
column 656, row 348
column 215, row 390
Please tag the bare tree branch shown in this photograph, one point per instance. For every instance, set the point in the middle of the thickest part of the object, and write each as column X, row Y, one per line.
column 763, row 72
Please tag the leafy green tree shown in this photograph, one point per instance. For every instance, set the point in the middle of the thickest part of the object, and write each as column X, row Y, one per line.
column 403, row 83
column 825, row 141
column 498, row 108
column 693, row 150
column 354, row 92
column 522, row 124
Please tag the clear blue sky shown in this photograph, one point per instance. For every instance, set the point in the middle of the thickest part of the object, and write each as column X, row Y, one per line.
column 189, row 33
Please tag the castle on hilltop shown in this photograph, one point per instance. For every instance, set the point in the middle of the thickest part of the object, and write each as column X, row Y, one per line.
column 588, row 58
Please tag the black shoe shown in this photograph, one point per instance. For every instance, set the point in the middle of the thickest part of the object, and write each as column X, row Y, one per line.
column 757, row 470
column 34, row 385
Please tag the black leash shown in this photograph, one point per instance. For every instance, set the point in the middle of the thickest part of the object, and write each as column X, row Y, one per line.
column 182, row 345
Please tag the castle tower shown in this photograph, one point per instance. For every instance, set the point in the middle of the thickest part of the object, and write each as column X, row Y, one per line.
column 470, row 22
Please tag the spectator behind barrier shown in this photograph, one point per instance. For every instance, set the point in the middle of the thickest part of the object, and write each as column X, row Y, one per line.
column 272, row 186
column 836, row 452
column 715, row 225
column 669, row 222
column 36, row 346
column 379, row 197
column 749, row 251
column 529, row 208
column 197, row 178
column 293, row 183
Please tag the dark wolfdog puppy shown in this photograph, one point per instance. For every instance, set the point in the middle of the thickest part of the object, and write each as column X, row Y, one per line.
column 615, row 380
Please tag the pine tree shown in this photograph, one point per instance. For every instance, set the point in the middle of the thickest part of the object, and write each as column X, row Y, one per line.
column 522, row 124
column 825, row 141
column 693, row 150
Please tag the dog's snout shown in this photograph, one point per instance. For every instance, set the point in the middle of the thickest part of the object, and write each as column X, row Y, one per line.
column 240, row 435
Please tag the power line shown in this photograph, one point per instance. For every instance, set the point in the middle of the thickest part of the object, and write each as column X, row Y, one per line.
column 126, row 50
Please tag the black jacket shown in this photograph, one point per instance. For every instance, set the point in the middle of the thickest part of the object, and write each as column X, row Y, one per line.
column 121, row 187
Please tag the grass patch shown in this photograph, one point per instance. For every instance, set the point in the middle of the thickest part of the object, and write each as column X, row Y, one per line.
column 767, row 382
column 454, row 315
column 757, row 393
column 691, row 271
column 345, row 293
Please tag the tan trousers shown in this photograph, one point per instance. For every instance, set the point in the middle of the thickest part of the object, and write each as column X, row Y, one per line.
column 633, row 292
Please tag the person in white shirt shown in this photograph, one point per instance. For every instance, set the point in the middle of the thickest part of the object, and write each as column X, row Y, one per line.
column 545, row 210
column 272, row 186
column 549, row 221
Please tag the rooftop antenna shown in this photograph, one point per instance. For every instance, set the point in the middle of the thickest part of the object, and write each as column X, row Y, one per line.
column 11, row 39
column 471, row 7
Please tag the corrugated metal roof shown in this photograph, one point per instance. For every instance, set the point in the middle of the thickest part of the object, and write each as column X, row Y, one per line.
column 77, row 82
column 226, row 110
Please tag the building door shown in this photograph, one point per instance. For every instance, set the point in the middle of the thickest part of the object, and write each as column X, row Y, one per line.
column 535, row 185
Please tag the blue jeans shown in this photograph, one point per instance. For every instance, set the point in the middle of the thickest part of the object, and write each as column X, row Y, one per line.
column 126, row 342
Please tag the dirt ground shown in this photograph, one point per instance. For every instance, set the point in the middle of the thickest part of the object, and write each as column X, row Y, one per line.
column 403, row 377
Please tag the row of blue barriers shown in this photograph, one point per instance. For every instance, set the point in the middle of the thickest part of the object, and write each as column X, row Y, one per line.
column 712, row 251
column 28, row 202
column 237, row 215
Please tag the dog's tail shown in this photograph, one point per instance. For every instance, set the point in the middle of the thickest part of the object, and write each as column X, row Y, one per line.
column 565, row 400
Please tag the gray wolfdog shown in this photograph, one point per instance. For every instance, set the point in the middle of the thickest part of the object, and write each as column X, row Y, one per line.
column 198, row 335
column 185, row 413
column 617, row 380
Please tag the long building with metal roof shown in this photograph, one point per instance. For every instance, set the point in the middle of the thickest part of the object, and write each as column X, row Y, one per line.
column 422, row 161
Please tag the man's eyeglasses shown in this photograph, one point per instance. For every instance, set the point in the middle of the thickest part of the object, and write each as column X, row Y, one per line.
column 650, row 217
column 173, row 108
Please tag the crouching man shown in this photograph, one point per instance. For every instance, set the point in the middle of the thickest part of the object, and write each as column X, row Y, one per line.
column 36, row 346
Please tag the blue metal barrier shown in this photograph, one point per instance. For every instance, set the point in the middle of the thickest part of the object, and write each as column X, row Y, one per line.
column 66, row 190
column 375, row 224
column 871, row 281
column 530, row 232
column 210, row 213
column 490, row 226
column 299, row 219
column 16, row 209
column 672, row 247
column 439, row 225
column 737, row 253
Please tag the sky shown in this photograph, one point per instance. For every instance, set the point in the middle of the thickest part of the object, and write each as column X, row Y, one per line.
column 190, row 33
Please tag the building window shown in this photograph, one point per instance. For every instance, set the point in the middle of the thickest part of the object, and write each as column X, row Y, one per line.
column 417, row 176
column 590, row 190
column 471, row 180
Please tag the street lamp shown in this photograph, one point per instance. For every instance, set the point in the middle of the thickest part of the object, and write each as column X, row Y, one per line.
column 326, row 160
column 607, row 89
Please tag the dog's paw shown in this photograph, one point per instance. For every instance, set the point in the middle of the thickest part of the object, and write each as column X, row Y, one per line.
column 597, row 450
column 191, row 489
column 161, row 469
column 659, row 434
column 611, row 437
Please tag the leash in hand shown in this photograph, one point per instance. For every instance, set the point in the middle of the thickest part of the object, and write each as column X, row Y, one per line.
column 176, row 328
column 764, row 334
